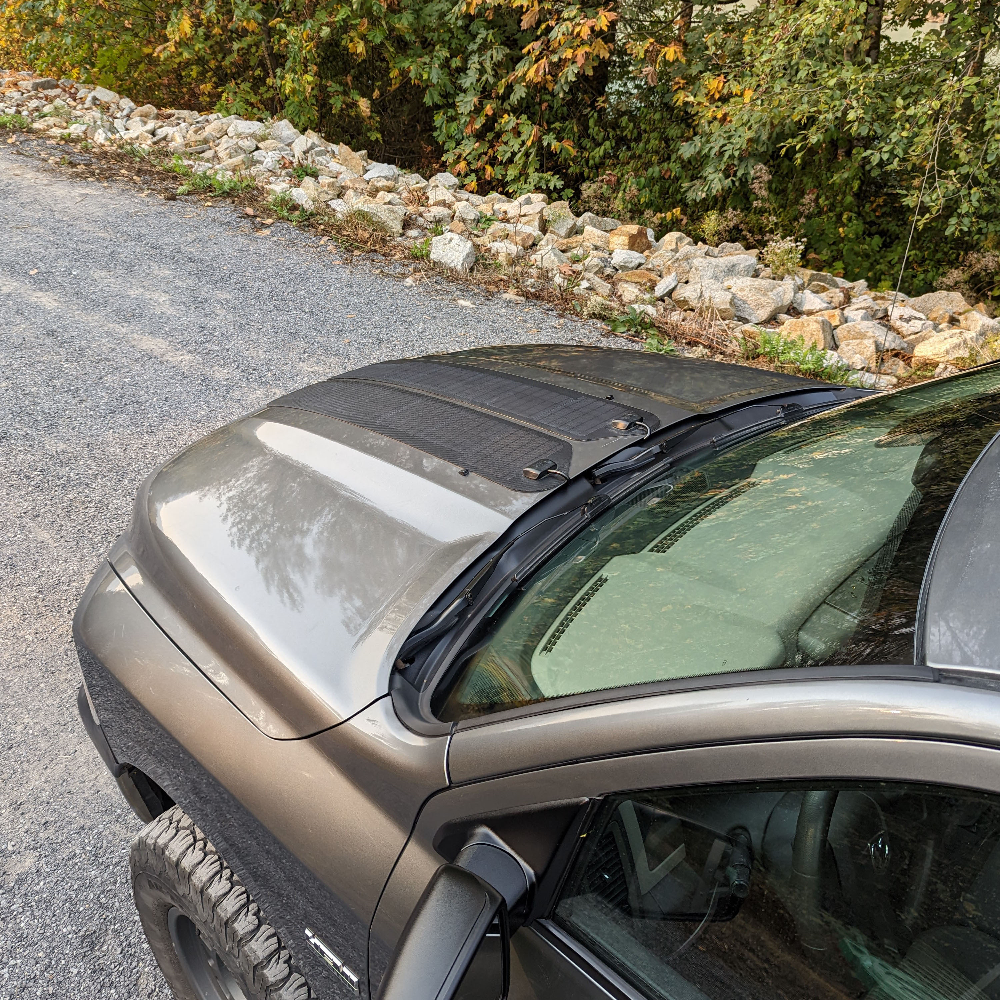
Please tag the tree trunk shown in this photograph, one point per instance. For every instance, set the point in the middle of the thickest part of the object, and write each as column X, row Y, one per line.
column 873, row 30
column 684, row 19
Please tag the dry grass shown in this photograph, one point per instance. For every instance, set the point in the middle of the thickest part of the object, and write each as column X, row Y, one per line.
column 360, row 232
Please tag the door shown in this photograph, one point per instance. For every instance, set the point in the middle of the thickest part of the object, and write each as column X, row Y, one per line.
column 824, row 868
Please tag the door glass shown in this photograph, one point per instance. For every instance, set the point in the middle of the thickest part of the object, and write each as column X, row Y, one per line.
column 794, row 892
column 805, row 546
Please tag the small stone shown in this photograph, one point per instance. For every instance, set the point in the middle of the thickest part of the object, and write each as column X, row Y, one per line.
column 283, row 132
column 675, row 241
column 834, row 316
column 350, row 159
column 953, row 302
column 594, row 237
column 645, row 279
column 808, row 303
column 437, row 215
column 505, row 248
column 942, row 317
column 628, row 238
column 628, row 260
column 979, row 325
column 857, row 315
column 836, row 297
column 597, row 286
column 147, row 111
column 301, row 146
column 458, row 226
column 301, row 198
column 242, row 129
column 381, row 171
column 881, row 336
column 715, row 269
column 596, row 222
column 550, row 259
column 945, row 346
column 391, row 216
column 730, row 248
column 454, row 252
column 446, row 180
column 814, row 331
column 708, row 297
column 512, row 297
column 438, row 195
column 47, row 83
column 665, row 286
column 944, row 369
column 756, row 300
column 466, row 213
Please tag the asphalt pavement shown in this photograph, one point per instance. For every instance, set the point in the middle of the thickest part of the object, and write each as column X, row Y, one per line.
column 129, row 327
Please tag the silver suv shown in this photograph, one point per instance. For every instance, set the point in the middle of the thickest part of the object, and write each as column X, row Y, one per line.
column 565, row 673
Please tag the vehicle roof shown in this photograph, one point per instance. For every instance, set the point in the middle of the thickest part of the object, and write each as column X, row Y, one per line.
column 300, row 545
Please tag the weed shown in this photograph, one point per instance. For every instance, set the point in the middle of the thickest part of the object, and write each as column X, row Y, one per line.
column 360, row 231
column 437, row 229
column 485, row 221
column 136, row 152
column 218, row 186
column 14, row 122
column 658, row 345
column 717, row 227
column 422, row 249
column 178, row 166
column 783, row 256
column 285, row 207
column 305, row 170
column 795, row 356
column 635, row 322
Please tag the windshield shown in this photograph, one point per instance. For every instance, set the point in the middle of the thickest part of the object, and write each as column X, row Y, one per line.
column 802, row 547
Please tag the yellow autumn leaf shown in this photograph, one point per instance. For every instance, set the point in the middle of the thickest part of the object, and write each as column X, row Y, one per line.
column 184, row 27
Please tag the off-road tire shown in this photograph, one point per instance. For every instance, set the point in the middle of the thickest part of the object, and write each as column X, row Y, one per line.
column 174, row 866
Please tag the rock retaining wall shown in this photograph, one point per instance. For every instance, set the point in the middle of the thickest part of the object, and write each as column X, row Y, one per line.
column 605, row 263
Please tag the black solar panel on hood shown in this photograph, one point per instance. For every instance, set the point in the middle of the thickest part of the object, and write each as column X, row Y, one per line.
column 554, row 408
column 490, row 446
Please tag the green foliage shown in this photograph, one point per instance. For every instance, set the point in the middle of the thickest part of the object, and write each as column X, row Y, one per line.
column 210, row 184
column 304, row 170
column 16, row 123
column 782, row 256
column 795, row 356
column 634, row 322
column 811, row 120
column 421, row 249
column 659, row 345
column 284, row 207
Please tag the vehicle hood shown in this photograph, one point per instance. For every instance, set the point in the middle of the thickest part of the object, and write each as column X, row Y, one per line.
column 290, row 553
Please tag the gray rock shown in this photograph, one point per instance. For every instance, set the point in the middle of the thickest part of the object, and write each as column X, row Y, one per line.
column 718, row 269
column 301, row 146
column 383, row 171
column 973, row 321
column 881, row 336
column 596, row 285
column 243, row 129
column 709, row 297
column 561, row 224
column 675, row 241
column 665, row 286
column 809, row 302
column 953, row 302
column 453, row 251
column 627, row 260
column 589, row 219
column 301, row 198
column 104, row 95
column 391, row 216
column 436, row 215
column 45, row 84
column 757, row 300
column 550, row 258
column 446, row 180
column 857, row 315
column 468, row 214
column 284, row 132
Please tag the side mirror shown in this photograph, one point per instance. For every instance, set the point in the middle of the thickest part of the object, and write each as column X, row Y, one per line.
column 449, row 936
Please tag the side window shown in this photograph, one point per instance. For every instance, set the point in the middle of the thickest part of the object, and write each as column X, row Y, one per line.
column 883, row 891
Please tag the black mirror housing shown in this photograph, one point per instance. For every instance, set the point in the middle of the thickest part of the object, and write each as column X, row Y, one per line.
column 443, row 935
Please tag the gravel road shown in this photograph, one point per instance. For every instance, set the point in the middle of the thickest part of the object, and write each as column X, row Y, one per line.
column 129, row 327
